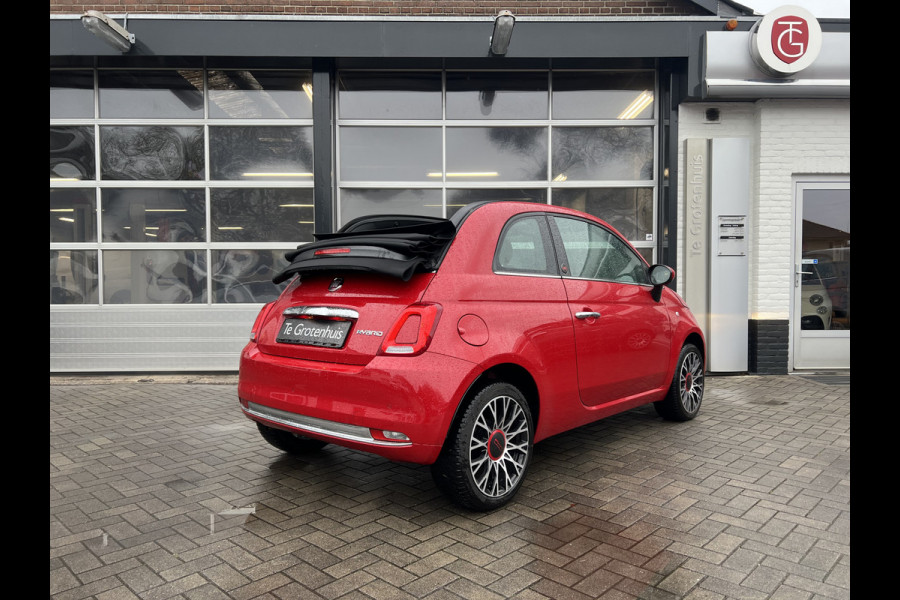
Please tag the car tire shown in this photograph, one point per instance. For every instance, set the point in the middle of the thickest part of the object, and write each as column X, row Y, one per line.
column 289, row 442
column 486, row 456
column 682, row 402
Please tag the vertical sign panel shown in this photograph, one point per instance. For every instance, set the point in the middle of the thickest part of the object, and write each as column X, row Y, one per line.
column 695, row 270
column 729, row 262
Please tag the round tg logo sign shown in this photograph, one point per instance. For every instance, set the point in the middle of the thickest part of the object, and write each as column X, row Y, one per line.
column 785, row 41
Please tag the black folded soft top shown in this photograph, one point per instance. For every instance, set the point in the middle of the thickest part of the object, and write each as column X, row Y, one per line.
column 394, row 245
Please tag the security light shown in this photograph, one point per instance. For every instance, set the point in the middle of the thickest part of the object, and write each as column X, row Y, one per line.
column 503, row 27
column 107, row 30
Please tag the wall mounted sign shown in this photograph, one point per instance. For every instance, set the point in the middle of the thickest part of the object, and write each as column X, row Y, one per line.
column 785, row 41
column 732, row 235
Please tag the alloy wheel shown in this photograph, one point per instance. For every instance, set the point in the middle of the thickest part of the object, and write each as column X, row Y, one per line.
column 498, row 447
column 690, row 380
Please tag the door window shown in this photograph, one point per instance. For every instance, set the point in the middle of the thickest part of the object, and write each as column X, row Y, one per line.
column 825, row 259
column 593, row 252
column 821, row 315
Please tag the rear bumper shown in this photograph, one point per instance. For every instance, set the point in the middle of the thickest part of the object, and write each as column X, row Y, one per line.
column 353, row 406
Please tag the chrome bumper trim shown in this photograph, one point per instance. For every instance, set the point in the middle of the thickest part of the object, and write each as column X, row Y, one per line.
column 353, row 433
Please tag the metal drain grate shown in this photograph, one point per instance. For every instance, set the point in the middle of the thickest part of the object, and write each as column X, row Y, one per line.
column 829, row 378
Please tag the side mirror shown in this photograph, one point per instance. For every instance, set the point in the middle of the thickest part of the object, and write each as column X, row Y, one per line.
column 660, row 275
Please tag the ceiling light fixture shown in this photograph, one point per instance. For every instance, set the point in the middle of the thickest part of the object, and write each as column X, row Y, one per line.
column 503, row 28
column 108, row 30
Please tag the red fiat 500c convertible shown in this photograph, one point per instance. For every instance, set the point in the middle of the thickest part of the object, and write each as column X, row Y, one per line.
column 459, row 343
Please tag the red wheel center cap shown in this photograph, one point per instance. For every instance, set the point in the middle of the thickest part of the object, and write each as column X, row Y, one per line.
column 688, row 381
column 496, row 445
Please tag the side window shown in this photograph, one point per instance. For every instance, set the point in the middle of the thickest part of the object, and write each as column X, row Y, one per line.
column 593, row 252
column 524, row 248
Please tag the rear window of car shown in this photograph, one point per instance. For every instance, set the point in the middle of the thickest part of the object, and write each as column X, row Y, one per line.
column 524, row 248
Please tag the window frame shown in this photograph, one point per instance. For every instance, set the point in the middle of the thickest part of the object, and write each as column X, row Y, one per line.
column 547, row 185
column 96, row 184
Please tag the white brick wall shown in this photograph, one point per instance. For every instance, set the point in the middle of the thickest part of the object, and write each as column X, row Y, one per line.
column 790, row 139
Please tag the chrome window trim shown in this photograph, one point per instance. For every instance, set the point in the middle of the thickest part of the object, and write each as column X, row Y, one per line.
column 541, row 275
column 648, row 285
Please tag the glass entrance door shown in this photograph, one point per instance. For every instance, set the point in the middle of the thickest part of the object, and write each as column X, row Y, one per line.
column 821, row 316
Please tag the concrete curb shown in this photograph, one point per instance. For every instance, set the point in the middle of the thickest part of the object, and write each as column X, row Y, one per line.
column 102, row 379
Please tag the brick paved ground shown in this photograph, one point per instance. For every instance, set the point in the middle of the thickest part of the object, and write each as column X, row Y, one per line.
column 164, row 490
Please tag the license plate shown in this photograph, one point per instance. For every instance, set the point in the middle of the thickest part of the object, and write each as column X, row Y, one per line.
column 313, row 332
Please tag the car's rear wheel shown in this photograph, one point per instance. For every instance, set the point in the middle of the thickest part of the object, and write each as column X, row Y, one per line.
column 486, row 456
column 682, row 402
column 289, row 442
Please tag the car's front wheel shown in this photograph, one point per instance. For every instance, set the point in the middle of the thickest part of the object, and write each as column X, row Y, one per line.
column 486, row 456
column 682, row 402
column 289, row 442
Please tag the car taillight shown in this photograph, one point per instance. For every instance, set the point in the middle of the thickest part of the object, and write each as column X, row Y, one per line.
column 260, row 318
column 412, row 331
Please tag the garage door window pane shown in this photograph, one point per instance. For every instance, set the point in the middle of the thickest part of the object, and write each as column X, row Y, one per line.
column 260, row 94
column 629, row 210
column 72, row 153
column 374, row 95
column 261, row 153
column 602, row 153
column 156, row 276
column 151, row 94
column 457, row 199
column 603, row 95
column 361, row 202
column 263, row 215
column 153, row 215
column 71, row 94
column 240, row 276
column 73, row 277
column 73, row 216
column 152, row 153
column 390, row 153
column 497, row 95
column 497, row 153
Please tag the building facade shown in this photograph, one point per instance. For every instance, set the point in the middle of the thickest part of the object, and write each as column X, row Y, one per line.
column 187, row 160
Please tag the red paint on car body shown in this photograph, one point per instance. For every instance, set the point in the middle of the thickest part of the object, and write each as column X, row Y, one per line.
column 488, row 323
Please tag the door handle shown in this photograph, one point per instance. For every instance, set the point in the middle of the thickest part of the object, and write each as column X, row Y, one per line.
column 798, row 271
column 587, row 315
